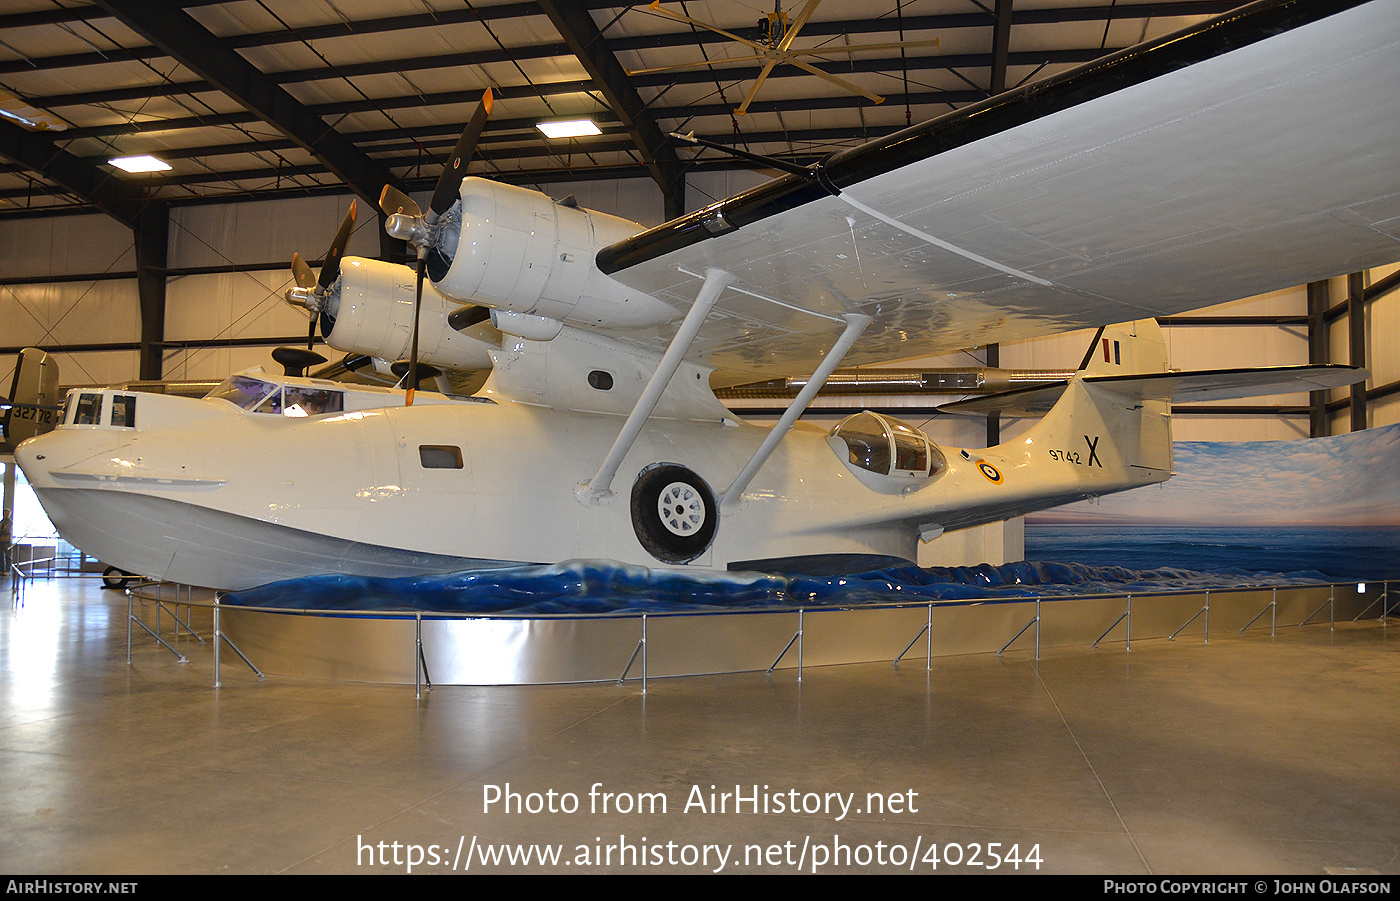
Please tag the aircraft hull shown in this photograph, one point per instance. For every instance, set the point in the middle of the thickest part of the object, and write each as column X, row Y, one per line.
column 210, row 494
column 203, row 546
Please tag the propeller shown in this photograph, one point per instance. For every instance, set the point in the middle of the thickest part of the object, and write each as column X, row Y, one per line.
column 312, row 289
column 407, row 221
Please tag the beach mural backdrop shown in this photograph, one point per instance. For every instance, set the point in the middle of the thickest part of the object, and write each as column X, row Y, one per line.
column 1331, row 505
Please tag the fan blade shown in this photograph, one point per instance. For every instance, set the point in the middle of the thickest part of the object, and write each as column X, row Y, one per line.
column 330, row 269
column 392, row 200
column 820, row 73
column 302, row 273
column 451, row 179
column 797, row 24
column 758, row 83
column 656, row 7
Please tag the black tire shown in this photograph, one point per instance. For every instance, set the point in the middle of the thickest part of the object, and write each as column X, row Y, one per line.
column 673, row 513
column 116, row 578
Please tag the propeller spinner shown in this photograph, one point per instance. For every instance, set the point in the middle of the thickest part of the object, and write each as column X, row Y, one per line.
column 407, row 221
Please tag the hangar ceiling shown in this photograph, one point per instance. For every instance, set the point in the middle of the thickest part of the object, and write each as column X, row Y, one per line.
column 267, row 98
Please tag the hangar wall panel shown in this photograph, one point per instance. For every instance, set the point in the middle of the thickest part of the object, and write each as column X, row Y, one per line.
column 91, row 312
column 229, row 305
column 638, row 199
column 266, row 232
column 1384, row 332
column 65, row 245
column 217, row 363
column 104, row 367
column 705, row 188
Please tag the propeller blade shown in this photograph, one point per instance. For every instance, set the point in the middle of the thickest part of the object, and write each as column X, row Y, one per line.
column 302, row 273
column 311, row 332
column 413, row 347
column 392, row 200
column 330, row 270
column 296, row 361
column 448, row 183
column 425, row 370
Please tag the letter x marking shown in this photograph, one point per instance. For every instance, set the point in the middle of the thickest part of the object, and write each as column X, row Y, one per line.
column 1094, row 452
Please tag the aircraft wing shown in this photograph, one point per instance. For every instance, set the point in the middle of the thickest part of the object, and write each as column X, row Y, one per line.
column 1256, row 151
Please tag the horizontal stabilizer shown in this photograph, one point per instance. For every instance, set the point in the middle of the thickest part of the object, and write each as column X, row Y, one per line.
column 1191, row 386
column 1229, row 384
column 1035, row 401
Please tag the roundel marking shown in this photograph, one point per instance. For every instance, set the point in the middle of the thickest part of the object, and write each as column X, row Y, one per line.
column 991, row 472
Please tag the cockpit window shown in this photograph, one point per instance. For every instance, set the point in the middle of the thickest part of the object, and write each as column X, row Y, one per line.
column 298, row 400
column 866, row 442
column 243, row 391
column 89, row 409
column 910, row 448
column 888, row 447
column 273, row 404
column 124, row 411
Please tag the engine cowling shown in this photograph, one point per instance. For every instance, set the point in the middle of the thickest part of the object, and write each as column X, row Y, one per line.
column 370, row 309
column 520, row 251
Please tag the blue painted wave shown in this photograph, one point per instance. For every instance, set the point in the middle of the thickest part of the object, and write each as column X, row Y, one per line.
column 583, row 586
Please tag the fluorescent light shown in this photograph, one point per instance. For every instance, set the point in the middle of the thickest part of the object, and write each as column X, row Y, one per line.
column 571, row 128
column 145, row 163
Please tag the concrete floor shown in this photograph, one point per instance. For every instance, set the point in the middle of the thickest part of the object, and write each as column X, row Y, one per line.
column 1249, row 755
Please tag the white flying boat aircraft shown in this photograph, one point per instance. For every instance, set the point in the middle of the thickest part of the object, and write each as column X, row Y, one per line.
column 1249, row 153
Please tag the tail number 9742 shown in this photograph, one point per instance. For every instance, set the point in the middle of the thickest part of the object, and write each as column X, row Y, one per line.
column 1078, row 459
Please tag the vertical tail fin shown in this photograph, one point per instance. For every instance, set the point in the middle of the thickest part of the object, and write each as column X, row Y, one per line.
column 1128, row 348
column 33, row 396
column 1120, row 441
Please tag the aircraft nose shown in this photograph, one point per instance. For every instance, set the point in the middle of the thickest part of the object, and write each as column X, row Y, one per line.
column 42, row 455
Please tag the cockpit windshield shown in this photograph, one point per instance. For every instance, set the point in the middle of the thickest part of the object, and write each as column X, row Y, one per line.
column 261, row 396
column 243, row 391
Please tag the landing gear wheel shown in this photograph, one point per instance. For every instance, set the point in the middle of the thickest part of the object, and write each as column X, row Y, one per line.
column 116, row 578
column 673, row 513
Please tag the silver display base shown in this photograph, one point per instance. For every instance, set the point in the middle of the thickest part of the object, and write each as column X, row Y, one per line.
column 499, row 651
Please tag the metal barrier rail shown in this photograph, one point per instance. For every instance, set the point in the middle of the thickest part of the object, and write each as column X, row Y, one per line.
column 422, row 677
column 21, row 578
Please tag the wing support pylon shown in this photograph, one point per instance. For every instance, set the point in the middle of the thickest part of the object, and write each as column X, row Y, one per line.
column 601, row 485
column 855, row 324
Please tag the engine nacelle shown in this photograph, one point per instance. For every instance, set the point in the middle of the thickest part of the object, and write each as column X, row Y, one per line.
column 371, row 308
column 518, row 250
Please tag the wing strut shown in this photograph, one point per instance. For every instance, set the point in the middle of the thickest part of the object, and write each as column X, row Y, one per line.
column 855, row 324
column 715, row 282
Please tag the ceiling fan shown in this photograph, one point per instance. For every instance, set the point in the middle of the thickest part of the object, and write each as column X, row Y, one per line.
column 777, row 32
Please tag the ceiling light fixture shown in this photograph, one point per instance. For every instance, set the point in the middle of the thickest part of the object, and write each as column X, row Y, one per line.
column 570, row 128
column 146, row 163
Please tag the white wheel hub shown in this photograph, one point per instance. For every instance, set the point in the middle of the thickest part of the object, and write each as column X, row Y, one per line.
column 682, row 509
